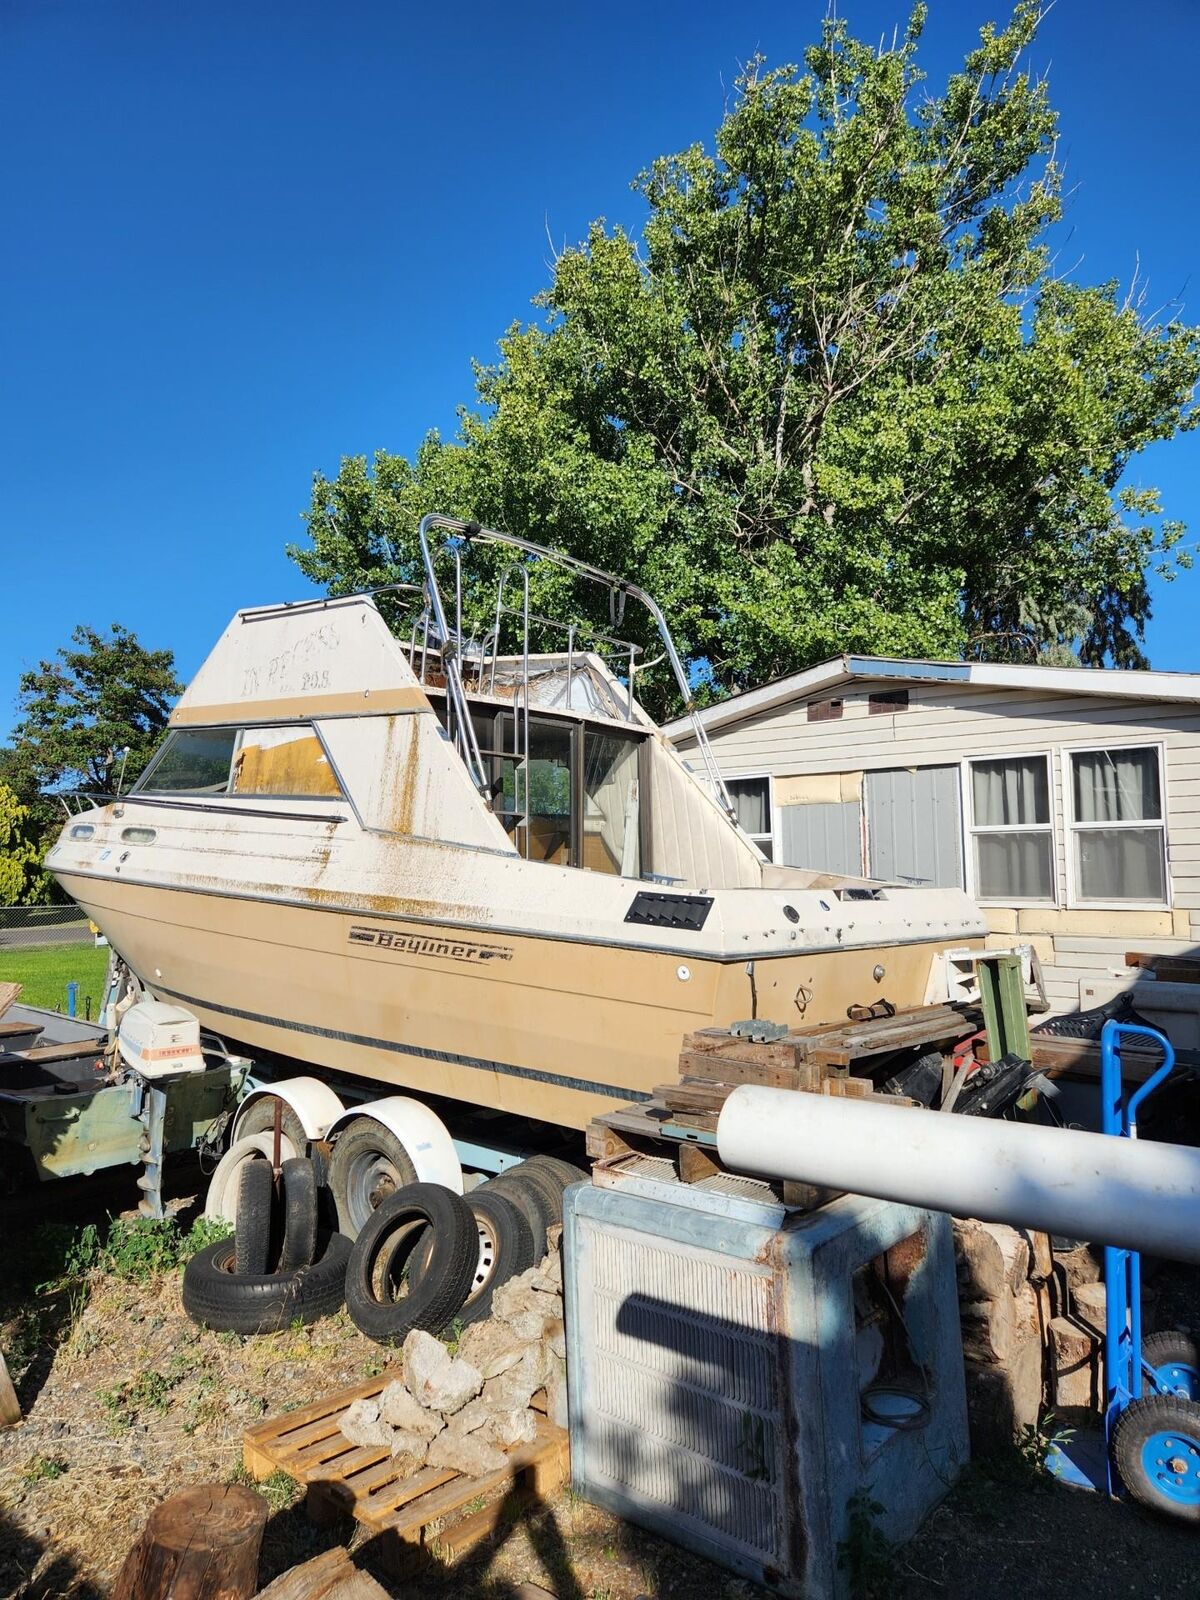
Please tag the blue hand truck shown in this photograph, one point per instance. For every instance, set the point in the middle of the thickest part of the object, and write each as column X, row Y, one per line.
column 1151, row 1386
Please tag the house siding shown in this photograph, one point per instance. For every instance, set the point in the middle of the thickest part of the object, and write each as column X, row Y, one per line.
column 947, row 723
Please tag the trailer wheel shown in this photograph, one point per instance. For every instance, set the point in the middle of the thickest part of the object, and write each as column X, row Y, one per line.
column 368, row 1166
column 1175, row 1360
column 213, row 1294
column 1156, row 1446
column 422, row 1222
column 537, row 1199
column 299, row 1215
column 254, row 1225
column 260, row 1118
column 505, row 1250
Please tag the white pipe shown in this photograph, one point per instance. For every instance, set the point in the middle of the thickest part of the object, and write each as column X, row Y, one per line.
column 1132, row 1193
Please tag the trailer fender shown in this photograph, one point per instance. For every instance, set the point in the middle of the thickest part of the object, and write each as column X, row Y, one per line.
column 422, row 1133
column 221, row 1203
column 314, row 1103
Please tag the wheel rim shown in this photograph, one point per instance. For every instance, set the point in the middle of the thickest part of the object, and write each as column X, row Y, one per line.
column 370, row 1179
column 1178, row 1377
column 1171, row 1462
column 485, row 1264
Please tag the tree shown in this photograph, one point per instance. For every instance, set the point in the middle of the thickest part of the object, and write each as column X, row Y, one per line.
column 834, row 399
column 80, row 710
column 22, row 881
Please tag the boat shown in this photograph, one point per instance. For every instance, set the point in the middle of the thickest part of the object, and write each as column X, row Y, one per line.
column 403, row 850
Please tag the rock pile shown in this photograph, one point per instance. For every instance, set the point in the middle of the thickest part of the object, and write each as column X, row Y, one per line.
column 461, row 1412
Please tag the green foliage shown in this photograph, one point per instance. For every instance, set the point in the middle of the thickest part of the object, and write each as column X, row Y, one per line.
column 79, row 711
column 44, row 970
column 42, row 1469
column 864, row 1553
column 834, row 397
column 130, row 1251
column 22, row 881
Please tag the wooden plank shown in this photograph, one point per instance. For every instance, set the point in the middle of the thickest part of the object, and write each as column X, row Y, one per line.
column 696, row 1164
column 718, row 1068
column 13, row 1030
column 8, row 994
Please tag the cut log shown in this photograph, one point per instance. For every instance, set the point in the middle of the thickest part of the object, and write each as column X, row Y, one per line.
column 10, row 1406
column 201, row 1544
column 330, row 1576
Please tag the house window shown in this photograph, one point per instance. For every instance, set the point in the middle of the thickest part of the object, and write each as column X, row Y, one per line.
column 1012, row 829
column 824, row 710
column 1118, row 835
column 752, row 801
column 886, row 702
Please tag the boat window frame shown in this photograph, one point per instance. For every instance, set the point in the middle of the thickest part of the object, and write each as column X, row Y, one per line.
column 235, row 797
column 482, row 709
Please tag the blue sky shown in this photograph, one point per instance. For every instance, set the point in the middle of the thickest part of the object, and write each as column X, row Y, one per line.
column 243, row 240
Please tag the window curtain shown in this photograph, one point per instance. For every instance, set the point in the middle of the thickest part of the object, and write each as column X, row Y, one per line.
column 1118, row 863
column 1116, row 786
column 1009, row 793
column 752, row 798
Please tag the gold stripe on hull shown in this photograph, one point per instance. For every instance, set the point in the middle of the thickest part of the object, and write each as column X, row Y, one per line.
column 550, row 1029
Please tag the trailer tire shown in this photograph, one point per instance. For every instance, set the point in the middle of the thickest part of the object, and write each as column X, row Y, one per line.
column 1156, row 1447
column 299, row 1215
column 213, row 1294
column 532, row 1197
column 255, row 1220
column 385, row 1304
column 259, row 1117
column 368, row 1165
column 505, row 1250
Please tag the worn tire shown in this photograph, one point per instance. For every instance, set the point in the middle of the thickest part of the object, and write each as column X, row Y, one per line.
column 383, row 1302
column 566, row 1172
column 1152, row 1437
column 213, row 1294
column 254, row 1226
column 299, row 1244
column 368, row 1165
column 533, row 1199
column 221, row 1200
column 260, row 1118
column 505, row 1249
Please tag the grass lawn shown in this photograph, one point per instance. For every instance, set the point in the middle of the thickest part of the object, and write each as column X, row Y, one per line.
column 44, row 970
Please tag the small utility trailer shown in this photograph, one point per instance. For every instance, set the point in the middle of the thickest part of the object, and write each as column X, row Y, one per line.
column 71, row 1106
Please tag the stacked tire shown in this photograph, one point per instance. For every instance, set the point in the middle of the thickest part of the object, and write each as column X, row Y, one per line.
column 279, row 1266
column 427, row 1257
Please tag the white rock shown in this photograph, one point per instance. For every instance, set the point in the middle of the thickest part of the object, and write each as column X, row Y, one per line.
column 433, row 1378
column 556, row 1393
column 403, row 1411
column 360, row 1423
column 514, row 1389
column 509, row 1428
column 510, row 1298
column 468, row 1453
column 556, row 1339
column 473, row 1415
column 408, row 1450
column 492, row 1347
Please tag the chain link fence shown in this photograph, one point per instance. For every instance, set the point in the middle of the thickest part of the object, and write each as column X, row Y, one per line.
column 33, row 925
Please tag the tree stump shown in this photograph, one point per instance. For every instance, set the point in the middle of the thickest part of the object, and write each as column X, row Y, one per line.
column 201, row 1544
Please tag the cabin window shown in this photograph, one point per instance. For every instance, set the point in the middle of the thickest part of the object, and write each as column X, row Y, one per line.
column 1012, row 830
column 282, row 761
column 287, row 761
column 191, row 761
column 752, row 801
column 1117, row 826
column 610, row 804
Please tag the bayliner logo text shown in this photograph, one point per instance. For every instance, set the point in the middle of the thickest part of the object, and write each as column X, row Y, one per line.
column 419, row 944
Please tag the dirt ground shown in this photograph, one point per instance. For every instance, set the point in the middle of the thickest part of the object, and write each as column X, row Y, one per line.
column 126, row 1401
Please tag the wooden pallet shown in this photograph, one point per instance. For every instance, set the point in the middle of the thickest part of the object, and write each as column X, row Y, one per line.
column 411, row 1518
